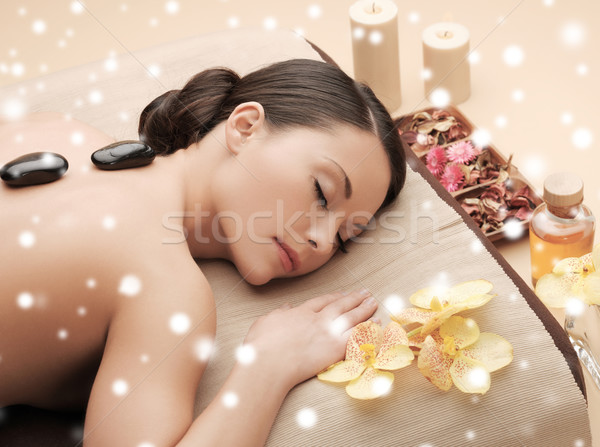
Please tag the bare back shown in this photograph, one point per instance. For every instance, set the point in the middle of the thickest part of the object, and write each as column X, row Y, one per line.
column 75, row 255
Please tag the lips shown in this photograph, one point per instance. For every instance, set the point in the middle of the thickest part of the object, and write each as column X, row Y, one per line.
column 288, row 256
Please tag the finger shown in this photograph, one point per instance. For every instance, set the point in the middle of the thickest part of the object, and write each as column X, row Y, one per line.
column 317, row 304
column 359, row 314
column 346, row 303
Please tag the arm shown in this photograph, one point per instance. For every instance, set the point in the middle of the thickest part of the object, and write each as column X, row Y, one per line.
column 291, row 345
column 145, row 387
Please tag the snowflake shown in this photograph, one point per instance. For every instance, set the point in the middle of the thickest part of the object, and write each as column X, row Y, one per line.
column 26, row 239
column 180, row 323
column 25, row 300
column 306, row 418
column 130, row 285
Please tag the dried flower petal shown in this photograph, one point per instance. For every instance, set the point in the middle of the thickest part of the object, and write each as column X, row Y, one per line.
column 452, row 178
column 457, row 132
column 444, row 125
column 424, row 140
column 440, row 114
column 462, row 152
column 471, row 209
column 524, row 213
column 436, row 160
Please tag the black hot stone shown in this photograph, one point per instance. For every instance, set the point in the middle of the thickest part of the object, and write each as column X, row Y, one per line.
column 123, row 155
column 34, row 169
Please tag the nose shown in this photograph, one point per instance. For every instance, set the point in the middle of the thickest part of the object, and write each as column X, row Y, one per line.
column 321, row 235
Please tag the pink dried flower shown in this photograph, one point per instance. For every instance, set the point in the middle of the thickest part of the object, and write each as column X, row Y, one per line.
column 452, row 178
column 436, row 160
column 462, row 152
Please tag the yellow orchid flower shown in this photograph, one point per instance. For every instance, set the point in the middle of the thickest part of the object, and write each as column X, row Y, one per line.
column 371, row 349
column 436, row 305
column 572, row 278
column 458, row 353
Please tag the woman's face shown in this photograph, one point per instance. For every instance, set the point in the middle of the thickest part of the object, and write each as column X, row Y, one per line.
column 269, row 203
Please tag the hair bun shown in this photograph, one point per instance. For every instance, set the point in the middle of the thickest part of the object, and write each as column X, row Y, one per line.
column 179, row 118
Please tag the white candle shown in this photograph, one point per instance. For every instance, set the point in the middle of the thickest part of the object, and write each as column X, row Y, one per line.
column 445, row 51
column 374, row 26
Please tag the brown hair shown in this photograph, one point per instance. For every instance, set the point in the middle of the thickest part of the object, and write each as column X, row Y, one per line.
column 293, row 93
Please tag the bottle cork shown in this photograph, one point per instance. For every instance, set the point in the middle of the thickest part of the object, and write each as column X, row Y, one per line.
column 563, row 189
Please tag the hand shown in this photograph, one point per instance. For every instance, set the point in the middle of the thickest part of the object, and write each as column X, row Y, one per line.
column 295, row 343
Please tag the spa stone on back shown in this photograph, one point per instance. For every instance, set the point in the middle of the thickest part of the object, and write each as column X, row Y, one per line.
column 123, row 155
column 34, row 169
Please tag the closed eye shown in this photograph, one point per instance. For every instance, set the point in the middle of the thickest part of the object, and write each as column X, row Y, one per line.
column 341, row 243
column 323, row 202
column 320, row 196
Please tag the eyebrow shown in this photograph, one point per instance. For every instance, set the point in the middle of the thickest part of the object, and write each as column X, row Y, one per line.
column 347, row 184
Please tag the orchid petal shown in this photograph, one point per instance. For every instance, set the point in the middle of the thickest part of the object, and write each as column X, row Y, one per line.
column 591, row 288
column 417, row 340
column 370, row 384
column 367, row 332
column 432, row 320
column 343, row 371
column 492, row 350
column 466, row 290
column 434, row 364
column 439, row 318
column 422, row 298
column 476, row 301
column 588, row 261
column 555, row 290
column 394, row 334
column 470, row 375
column 394, row 357
column 413, row 315
column 394, row 352
column 456, row 294
column 596, row 257
column 464, row 331
column 569, row 265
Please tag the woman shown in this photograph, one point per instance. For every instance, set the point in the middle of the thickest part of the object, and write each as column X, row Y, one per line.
column 100, row 286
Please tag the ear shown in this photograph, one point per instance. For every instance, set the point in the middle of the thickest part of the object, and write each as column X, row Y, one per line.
column 244, row 122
